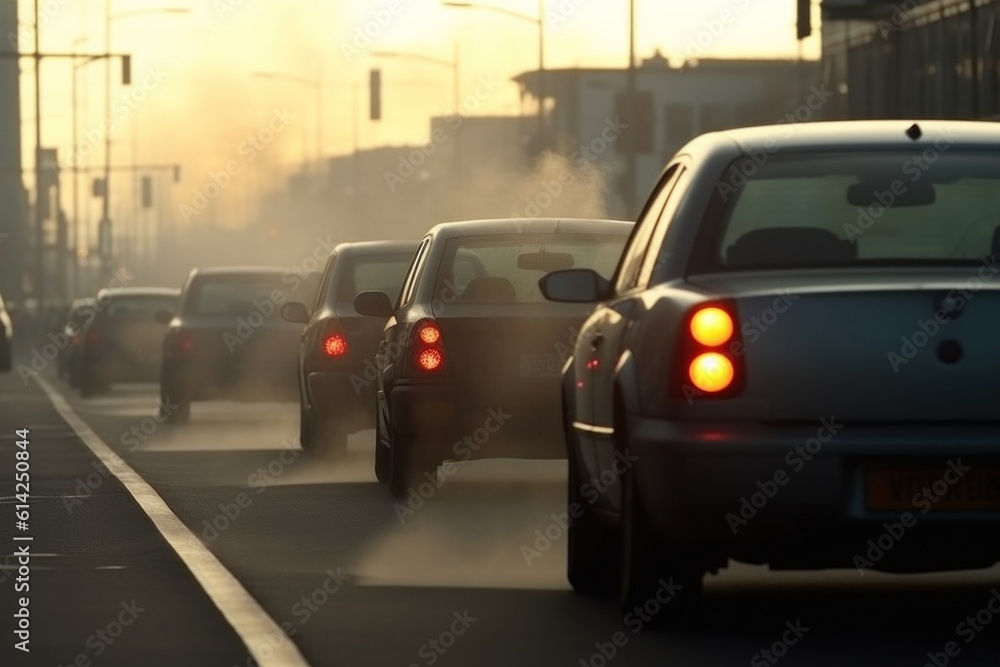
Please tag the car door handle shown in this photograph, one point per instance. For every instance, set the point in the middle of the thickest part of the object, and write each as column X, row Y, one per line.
column 596, row 341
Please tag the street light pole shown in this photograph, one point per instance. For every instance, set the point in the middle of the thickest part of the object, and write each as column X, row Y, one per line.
column 39, row 232
column 104, row 226
column 540, row 22
column 631, row 169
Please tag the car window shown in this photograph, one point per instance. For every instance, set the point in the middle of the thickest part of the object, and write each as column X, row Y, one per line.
column 638, row 244
column 410, row 283
column 853, row 209
column 239, row 295
column 511, row 264
column 384, row 273
column 139, row 307
column 654, row 257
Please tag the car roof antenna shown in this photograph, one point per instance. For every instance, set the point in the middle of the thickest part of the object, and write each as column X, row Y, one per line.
column 914, row 132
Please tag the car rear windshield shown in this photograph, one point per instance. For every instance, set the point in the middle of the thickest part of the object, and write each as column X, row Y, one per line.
column 505, row 268
column 238, row 295
column 384, row 273
column 920, row 207
column 137, row 307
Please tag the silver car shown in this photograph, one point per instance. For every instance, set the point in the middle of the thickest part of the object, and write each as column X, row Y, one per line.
column 796, row 362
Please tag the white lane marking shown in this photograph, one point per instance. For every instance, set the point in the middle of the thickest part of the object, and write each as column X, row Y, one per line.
column 254, row 627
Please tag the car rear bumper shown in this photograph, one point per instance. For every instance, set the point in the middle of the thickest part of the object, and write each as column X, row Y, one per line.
column 451, row 426
column 207, row 380
column 345, row 396
column 798, row 495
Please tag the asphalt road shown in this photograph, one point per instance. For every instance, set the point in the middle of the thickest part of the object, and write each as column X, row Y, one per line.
column 353, row 580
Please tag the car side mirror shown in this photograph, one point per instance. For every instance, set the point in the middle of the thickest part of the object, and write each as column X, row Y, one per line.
column 163, row 316
column 373, row 303
column 296, row 312
column 574, row 286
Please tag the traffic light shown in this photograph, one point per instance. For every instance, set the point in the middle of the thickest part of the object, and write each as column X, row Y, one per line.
column 126, row 70
column 375, row 95
column 97, row 187
column 147, row 192
column 803, row 19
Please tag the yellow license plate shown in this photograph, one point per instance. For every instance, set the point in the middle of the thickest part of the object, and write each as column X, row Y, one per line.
column 913, row 489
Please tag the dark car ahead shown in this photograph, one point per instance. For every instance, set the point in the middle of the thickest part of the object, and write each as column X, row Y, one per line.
column 473, row 352
column 227, row 340
column 338, row 346
column 81, row 312
column 121, row 341
column 781, row 374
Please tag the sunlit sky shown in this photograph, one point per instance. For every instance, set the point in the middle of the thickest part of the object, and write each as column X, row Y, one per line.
column 207, row 99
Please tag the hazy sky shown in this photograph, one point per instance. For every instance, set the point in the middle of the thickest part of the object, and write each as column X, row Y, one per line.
column 199, row 100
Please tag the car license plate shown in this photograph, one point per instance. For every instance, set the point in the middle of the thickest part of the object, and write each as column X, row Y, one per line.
column 540, row 366
column 892, row 489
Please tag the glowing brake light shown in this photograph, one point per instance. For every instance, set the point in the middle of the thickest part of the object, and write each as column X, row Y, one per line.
column 428, row 347
column 430, row 359
column 711, row 372
column 184, row 343
column 335, row 346
column 712, row 326
column 709, row 353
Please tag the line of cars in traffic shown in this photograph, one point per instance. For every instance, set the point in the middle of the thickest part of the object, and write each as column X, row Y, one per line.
column 739, row 384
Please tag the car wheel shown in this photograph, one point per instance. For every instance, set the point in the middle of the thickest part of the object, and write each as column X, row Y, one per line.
column 382, row 462
column 94, row 382
column 407, row 467
column 305, row 428
column 592, row 560
column 174, row 409
column 653, row 575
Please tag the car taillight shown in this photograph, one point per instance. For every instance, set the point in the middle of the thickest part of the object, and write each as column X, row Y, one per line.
column 428, row 347
column 335, row 346
column 184, row 343
column 93, row 337
column 710, row 353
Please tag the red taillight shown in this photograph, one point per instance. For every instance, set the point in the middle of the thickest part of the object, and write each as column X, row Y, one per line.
column 428, row 347
column 709, row 352
column 76, row 339
column 93, row 338
column 185, row 343
column 335, row 346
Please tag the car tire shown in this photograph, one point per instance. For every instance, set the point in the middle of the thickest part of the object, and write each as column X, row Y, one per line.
column 592, row 559
column 407, row 467
column 94, row 382
column 650, row 568
column 383, row 469
column 179, row 410
column 322, row 438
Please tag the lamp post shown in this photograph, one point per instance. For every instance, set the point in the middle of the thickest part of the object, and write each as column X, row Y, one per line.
column 540, row 22
column 109, row 18
column 316, row 83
